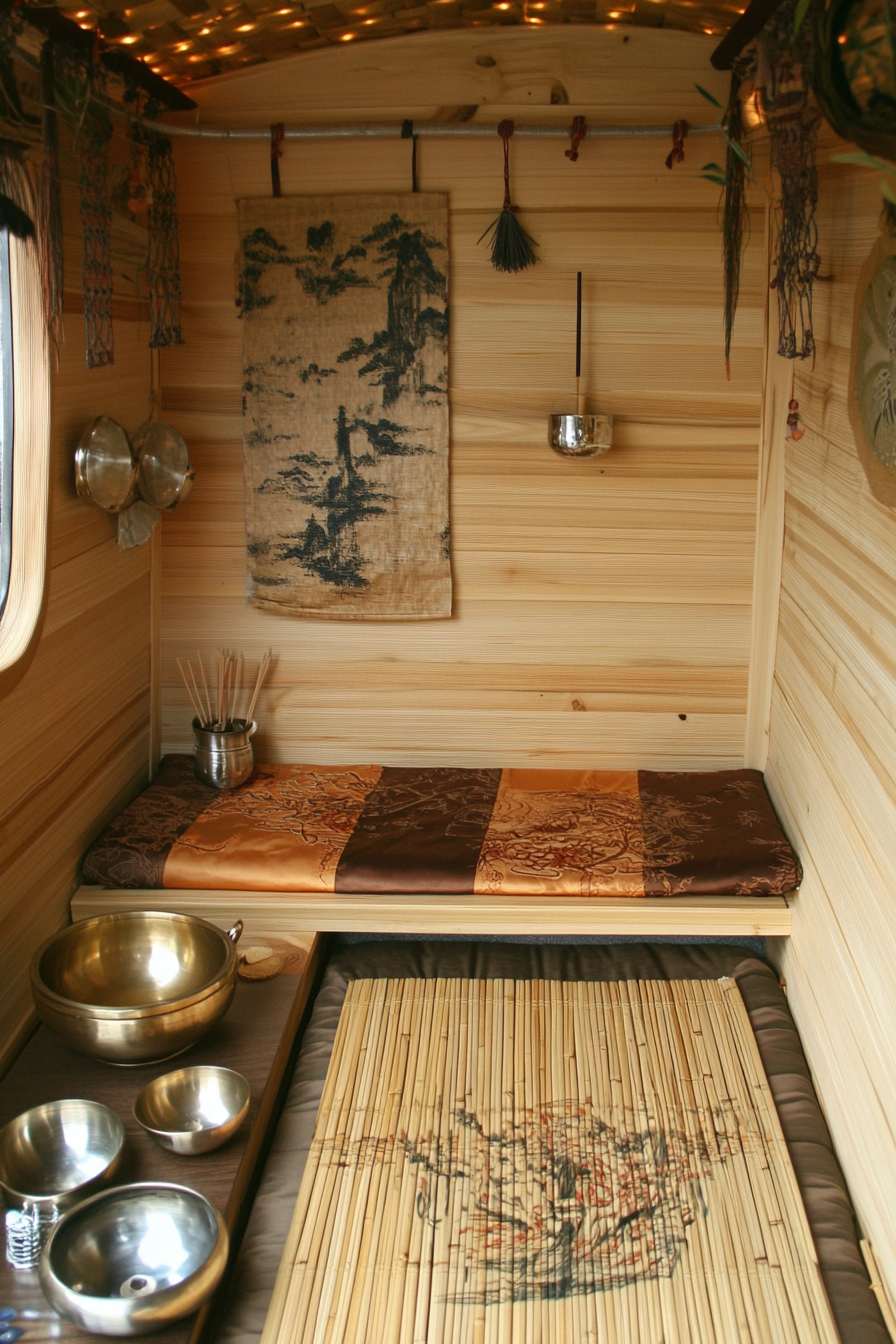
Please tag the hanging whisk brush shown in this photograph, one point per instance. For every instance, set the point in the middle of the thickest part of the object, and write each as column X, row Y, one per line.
column 511, row 244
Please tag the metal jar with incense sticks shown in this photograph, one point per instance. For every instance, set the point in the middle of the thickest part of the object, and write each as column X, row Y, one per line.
column 223, row 758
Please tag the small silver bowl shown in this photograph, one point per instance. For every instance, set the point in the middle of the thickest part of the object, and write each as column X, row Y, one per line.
column 134, row 1259
column 193, row 1110
column 581, row 435
column 55, row 1155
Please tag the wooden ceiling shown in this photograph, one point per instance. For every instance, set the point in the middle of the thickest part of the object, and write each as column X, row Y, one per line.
column 185, row 40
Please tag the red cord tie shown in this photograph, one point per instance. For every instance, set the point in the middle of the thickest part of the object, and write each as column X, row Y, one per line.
column 676, row 153
column 577, row 132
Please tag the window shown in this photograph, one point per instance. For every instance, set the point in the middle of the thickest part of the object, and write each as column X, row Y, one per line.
column 24, row 445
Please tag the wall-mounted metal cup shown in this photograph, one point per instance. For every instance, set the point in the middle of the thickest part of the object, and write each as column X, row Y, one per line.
column 581, row 435
column 223, row 758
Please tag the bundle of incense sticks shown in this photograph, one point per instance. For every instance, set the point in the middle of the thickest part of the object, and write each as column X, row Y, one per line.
column 542, row 1162
column 223, row 711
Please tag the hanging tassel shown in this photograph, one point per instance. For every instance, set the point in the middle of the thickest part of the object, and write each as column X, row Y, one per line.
column 511, row 244
column 14, row 218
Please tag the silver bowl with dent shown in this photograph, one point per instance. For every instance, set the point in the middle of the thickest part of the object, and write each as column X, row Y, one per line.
column 134, row 1259
column 193, row 1110
column 55, row 1155
column 581, row 435
column 105, row 466
column 135, row 987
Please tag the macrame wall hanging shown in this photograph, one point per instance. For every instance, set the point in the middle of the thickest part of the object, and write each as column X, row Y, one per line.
column 75, row 84
column 511, row 244
column 783, row 78
column 164, row 246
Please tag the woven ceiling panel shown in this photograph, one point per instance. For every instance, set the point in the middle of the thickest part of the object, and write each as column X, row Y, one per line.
column 185, row 40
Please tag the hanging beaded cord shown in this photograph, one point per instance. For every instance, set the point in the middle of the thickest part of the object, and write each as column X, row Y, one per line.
column 54, row 272
column 92, row 148
column 782, row 75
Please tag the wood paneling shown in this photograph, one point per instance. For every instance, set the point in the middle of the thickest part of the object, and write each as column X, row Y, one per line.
column 602, row 609
column 75, row 712
column 832, row 758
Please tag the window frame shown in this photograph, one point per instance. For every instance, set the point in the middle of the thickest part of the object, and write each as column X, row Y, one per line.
column 28, row 447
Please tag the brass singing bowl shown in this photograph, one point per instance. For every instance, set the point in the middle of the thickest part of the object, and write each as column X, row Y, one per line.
column 135, row 987
column 134, row 1259
column 57, row 1154
column 193, row 1110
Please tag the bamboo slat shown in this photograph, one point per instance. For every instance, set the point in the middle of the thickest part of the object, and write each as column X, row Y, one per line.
column 557, row 1162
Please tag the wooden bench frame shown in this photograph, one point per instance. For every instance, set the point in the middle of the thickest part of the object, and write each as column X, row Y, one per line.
column 278, row 912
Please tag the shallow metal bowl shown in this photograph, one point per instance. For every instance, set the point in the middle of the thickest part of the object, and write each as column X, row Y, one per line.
column 135, row 987
column 164, row 474
column 193, row 1110
column 134, row 1259
column 105, row 466
column 57, row 1154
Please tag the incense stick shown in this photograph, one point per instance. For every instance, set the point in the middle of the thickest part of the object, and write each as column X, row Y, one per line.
column 578, row 342
column 228, row 685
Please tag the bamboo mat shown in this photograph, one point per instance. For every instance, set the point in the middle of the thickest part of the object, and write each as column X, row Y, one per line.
column 546, row 1162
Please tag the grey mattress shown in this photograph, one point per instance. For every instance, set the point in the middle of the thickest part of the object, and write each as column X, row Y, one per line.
column 818, row 1171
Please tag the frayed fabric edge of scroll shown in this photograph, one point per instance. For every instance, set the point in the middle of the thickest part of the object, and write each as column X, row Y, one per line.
column 345, row 405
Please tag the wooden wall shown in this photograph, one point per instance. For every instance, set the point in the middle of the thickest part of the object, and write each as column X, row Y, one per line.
column 74, row 745
column 620, row 587
column 832, row 761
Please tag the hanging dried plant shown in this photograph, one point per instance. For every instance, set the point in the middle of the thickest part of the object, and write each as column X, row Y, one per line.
column 735, row 177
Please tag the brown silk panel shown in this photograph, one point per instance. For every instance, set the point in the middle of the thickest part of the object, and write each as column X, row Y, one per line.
column 421, row 831
column 713, row 834
column 283, row 831
column 564, row 833
column 132, row 851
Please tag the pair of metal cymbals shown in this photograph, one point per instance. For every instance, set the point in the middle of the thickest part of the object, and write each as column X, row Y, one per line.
column 112, row 470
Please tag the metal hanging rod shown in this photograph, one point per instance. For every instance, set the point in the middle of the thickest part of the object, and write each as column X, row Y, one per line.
column 396, row 130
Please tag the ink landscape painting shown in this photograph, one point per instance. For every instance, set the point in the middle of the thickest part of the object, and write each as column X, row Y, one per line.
column 345, row 404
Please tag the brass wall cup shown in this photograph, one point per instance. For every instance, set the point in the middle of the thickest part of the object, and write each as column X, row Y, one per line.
column 581, row 435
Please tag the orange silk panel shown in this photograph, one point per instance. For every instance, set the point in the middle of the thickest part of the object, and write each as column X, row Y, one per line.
column 283, row 831
column 565, row 833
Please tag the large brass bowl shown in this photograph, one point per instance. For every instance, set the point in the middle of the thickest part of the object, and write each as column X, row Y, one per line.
column 135, row 987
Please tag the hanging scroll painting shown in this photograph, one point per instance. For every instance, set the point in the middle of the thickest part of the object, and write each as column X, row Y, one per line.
column 873, row 391
column 345, row 405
